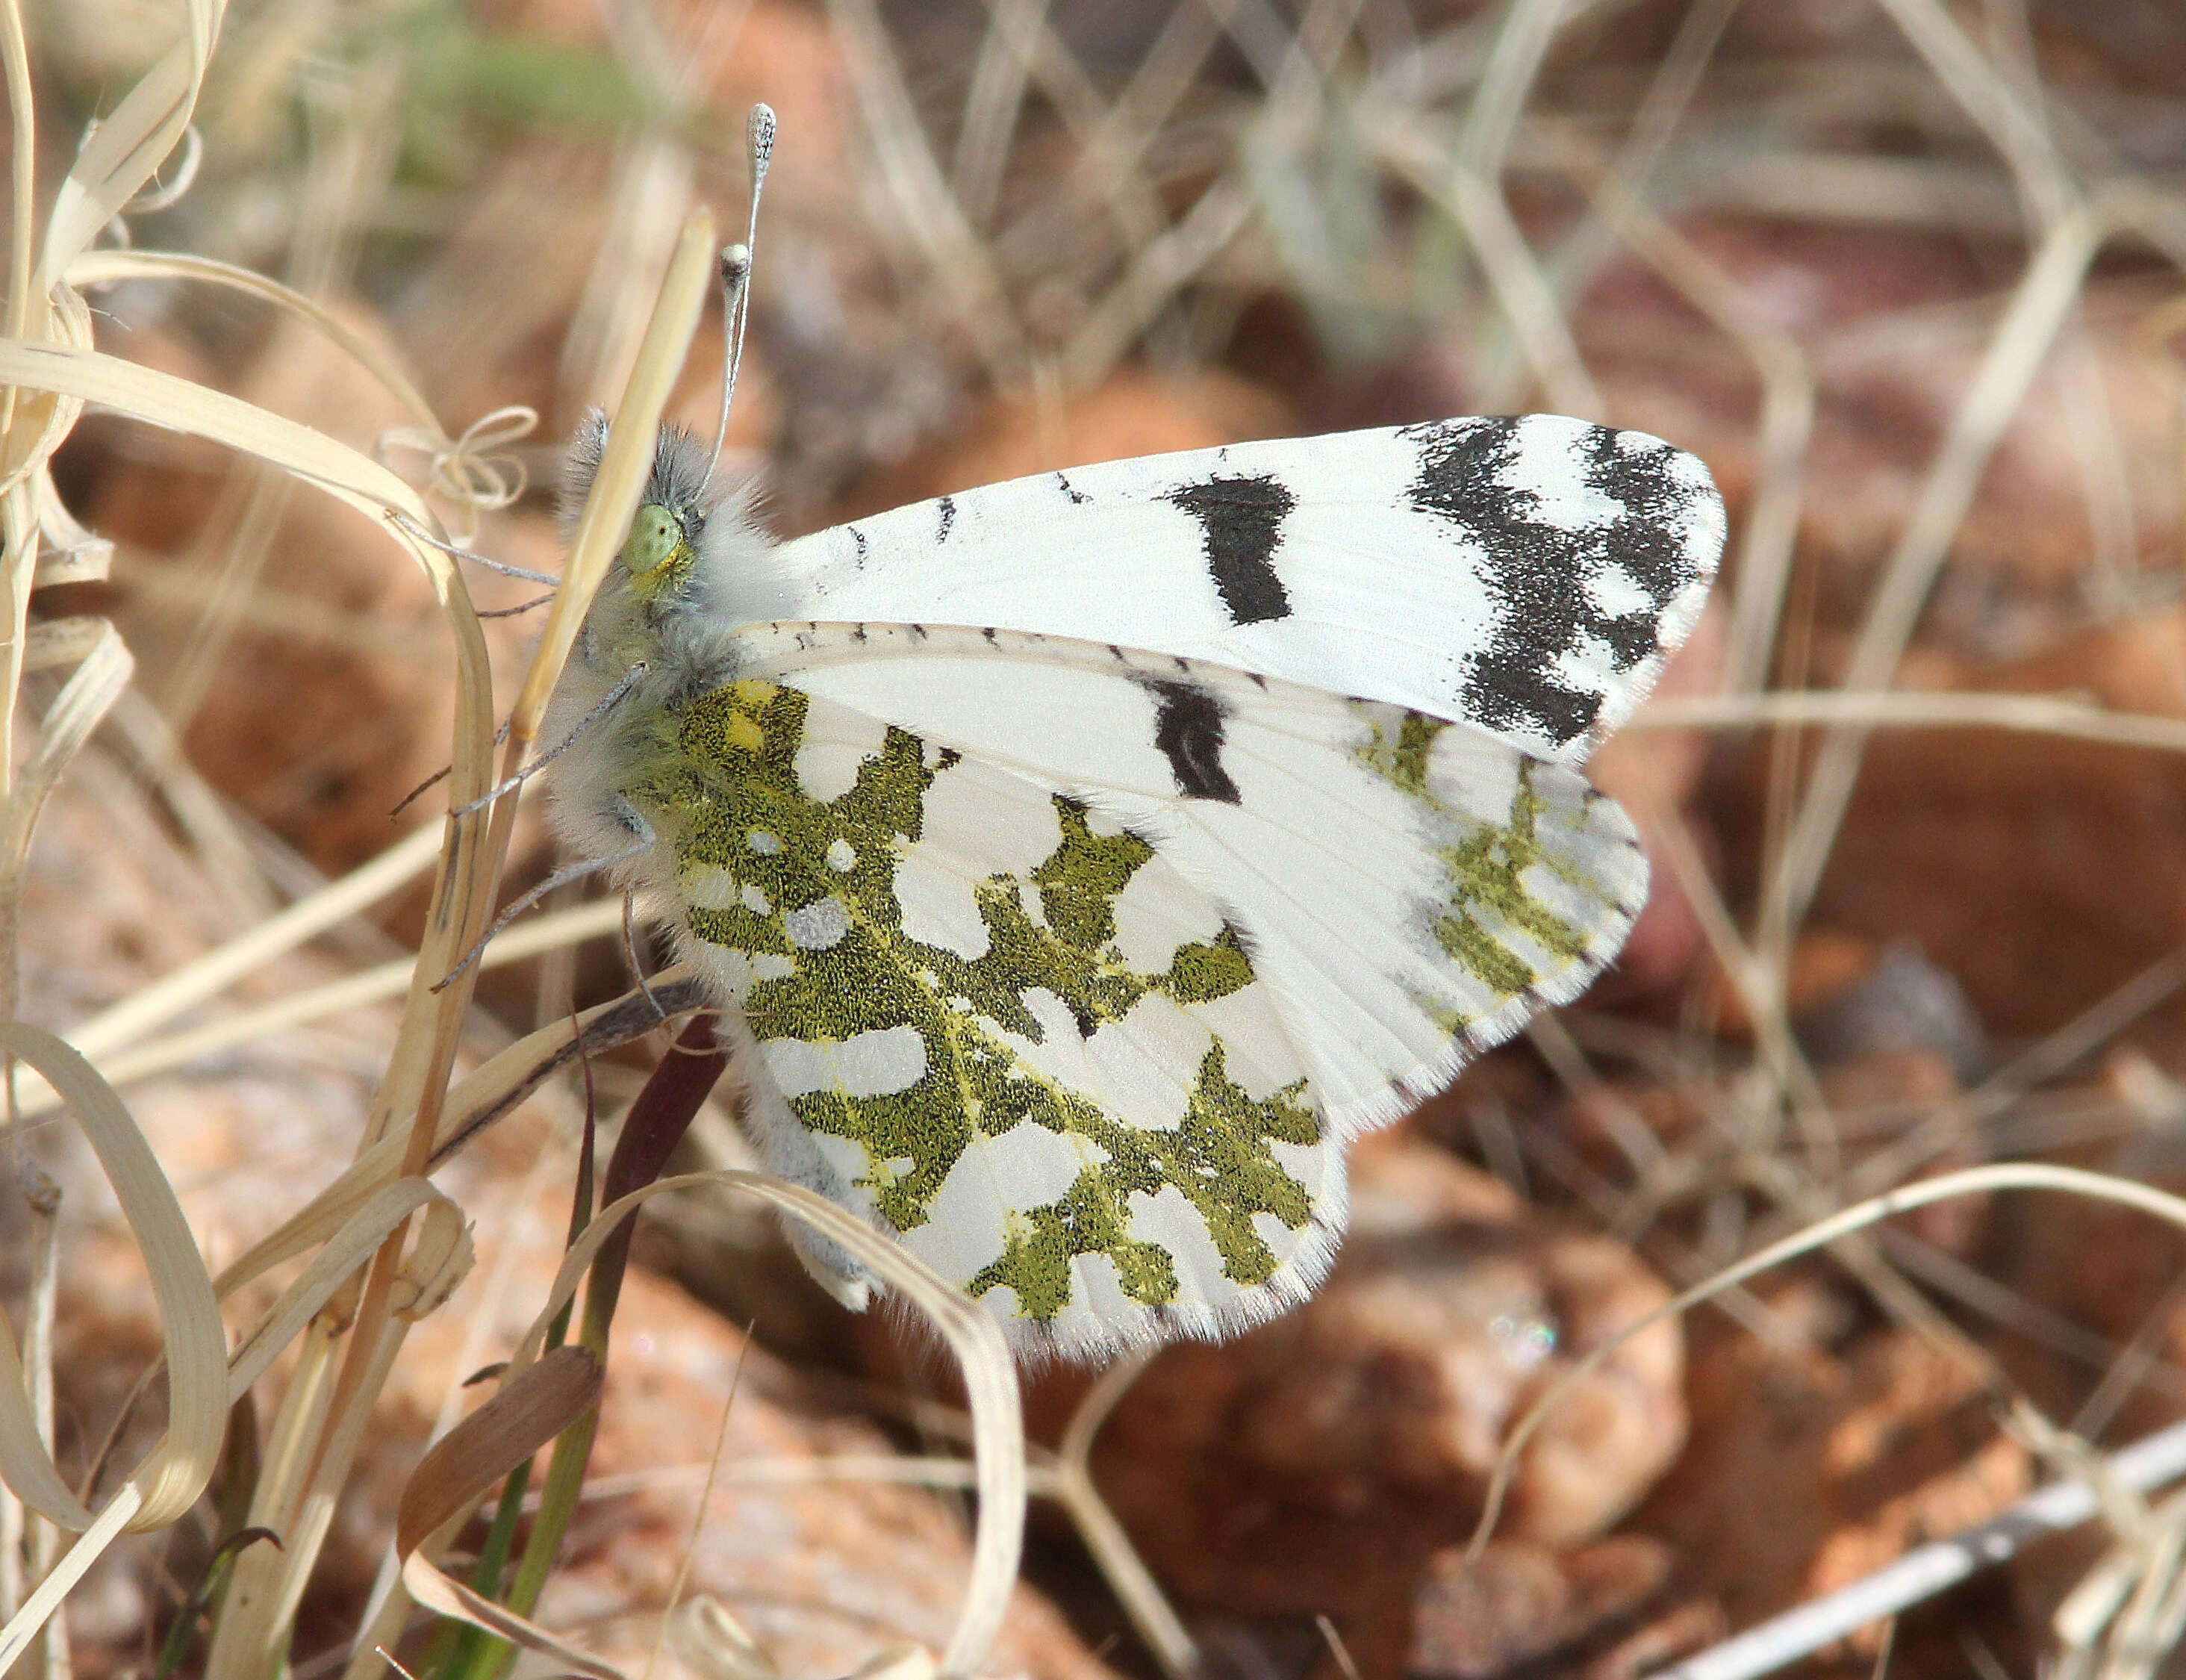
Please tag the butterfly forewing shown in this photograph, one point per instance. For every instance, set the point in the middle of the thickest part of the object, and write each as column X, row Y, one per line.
column 1527, row 575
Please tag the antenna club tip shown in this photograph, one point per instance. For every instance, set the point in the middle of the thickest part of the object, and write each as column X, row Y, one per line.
column 736, row 260
column 759, row 127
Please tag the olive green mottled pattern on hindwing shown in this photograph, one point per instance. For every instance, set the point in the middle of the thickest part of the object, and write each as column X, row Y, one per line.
column 1217, row 1157
column 732, row 771
column 1483, row 864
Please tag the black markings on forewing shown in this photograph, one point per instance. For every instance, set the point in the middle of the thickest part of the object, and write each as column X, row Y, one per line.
column 1539, row 571
column 944, row 512
column 1241, row 527
column 1188, row 727
column 1071, row 490
column 858, row 537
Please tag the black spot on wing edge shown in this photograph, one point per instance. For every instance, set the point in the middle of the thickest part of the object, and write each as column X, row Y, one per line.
column 1240, row 528
column 1541, row 568
column 944, row 514
column 1188, row 730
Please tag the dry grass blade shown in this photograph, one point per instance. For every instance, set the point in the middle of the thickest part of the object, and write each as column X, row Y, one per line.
column 45, row 1600
column 22, row 170
column 1476, row 204
column 1924, row 1570
column 439, row 1592
column 206, row 976
column 1159, row 269
column 102, row 672
column 104, row 268
column 1787, row 419
column 183, row 406
column 929, row 216
column 195, row 1349
column 348, row 1243
column 195, row 1346
column 1915, row 709
column 121, row 153
column 70, row 553
column 471, row 1459
column 414, row 1094
column 709, row 1642
column 1135, row 1589
column 1361, row 212
column 2013, row 129
column 2046, row 295
column 473, row 1103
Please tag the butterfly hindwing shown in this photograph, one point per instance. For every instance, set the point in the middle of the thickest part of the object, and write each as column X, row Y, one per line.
column 1529, row 574
column 997, row 1022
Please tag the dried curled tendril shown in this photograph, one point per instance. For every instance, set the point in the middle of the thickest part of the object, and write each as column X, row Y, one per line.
column 464, row 469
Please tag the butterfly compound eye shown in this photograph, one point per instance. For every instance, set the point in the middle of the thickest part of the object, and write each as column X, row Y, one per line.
column 657, row 552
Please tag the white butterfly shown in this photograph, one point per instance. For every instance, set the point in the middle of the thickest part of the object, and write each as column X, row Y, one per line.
column 1085, row 858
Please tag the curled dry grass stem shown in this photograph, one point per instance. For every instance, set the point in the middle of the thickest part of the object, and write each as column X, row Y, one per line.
column 178, row 1467
column 1822, row 1233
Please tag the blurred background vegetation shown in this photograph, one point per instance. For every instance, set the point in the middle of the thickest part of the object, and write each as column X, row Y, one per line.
column 1905, row 273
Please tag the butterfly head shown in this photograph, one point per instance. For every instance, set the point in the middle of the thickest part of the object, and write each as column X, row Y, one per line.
column 692, row 568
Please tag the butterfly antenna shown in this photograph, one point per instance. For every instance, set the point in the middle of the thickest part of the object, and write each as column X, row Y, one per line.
column 403, row 523
column 737, row 267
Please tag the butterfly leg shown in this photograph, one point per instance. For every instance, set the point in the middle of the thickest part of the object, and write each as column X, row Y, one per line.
column 629, row 680
column 561, row 877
